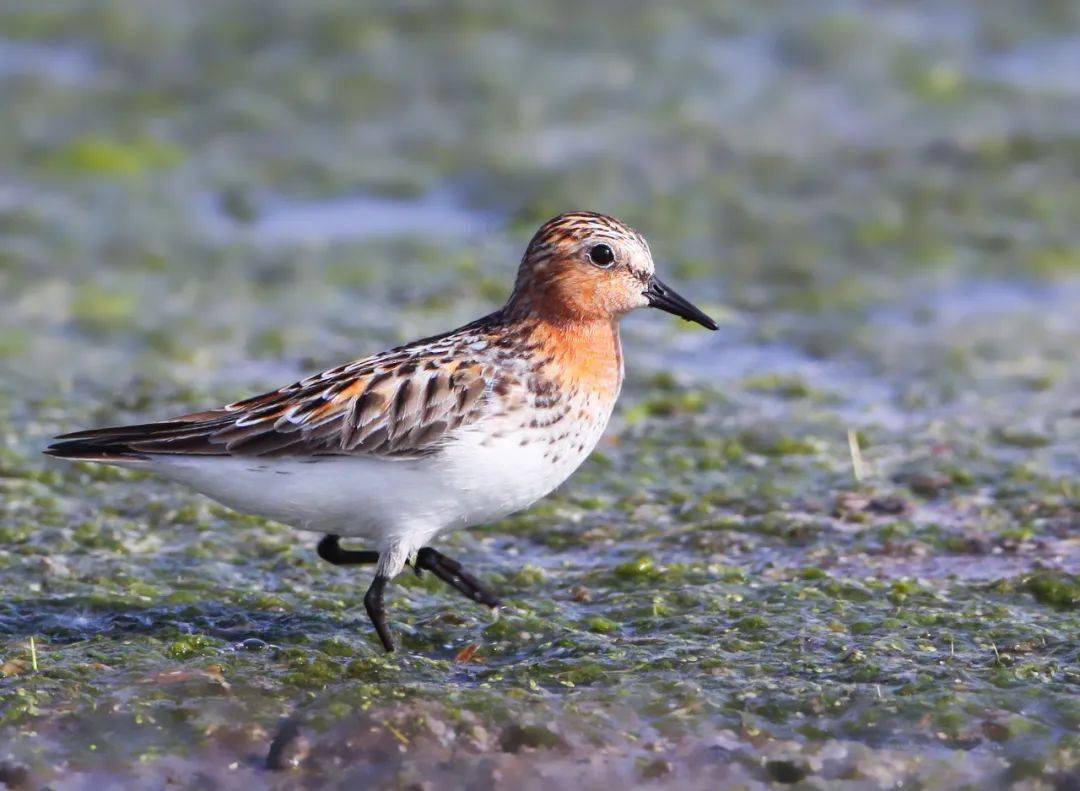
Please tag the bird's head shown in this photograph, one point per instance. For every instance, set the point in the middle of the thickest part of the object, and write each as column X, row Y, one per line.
column 582, row 266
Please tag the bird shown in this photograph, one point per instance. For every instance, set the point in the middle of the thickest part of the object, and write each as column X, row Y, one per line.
column 451, row 431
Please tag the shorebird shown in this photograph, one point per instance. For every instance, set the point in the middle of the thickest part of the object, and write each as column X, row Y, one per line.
column 443, row 433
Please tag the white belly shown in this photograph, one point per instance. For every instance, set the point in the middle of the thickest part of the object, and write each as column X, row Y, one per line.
column 475, row 479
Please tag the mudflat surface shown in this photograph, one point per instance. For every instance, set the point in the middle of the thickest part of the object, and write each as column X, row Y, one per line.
column 199, row 202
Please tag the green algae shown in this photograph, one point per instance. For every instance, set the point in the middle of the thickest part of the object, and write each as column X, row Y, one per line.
column 103, row 157
column 1060, row 590
column 780, row 385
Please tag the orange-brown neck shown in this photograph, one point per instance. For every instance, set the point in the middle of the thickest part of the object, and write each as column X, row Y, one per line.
column 584, row 355
column 561, row 292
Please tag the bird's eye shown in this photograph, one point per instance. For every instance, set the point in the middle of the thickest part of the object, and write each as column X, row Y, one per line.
column 602, row 255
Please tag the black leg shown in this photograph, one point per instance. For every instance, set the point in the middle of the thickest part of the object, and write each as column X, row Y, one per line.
column 376, row 610
column 451, row 572
column 330, row 550
column 446, row 569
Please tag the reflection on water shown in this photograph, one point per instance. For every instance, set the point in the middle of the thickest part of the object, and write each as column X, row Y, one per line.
column 984, row 299
column 867, row 391
column 64, row 65
column 278, row 221
column 725, row 358
column 1046, row 66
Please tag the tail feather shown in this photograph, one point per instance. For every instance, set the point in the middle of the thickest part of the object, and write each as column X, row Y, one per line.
column 187, row 434
column 78, row 450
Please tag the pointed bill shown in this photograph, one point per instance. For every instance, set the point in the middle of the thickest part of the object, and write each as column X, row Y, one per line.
column 667, row 299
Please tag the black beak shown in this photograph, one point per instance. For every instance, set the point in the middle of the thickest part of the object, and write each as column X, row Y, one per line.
column 663, row 297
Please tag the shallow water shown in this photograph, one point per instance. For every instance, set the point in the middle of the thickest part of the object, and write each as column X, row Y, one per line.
column 44, row 61
column 878, row 202
column 358, row 217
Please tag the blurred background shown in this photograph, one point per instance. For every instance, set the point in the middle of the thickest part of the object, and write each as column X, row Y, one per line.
column 836, row 539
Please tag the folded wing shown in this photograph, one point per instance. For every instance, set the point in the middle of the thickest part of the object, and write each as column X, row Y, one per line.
column 395, row 406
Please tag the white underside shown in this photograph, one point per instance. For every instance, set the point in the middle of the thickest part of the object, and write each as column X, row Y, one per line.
column 397, row 505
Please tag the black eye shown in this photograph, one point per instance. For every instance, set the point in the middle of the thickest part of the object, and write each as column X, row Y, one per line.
column 601, row 255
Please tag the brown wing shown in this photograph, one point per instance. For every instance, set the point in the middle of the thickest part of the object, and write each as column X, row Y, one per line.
column 399, row 405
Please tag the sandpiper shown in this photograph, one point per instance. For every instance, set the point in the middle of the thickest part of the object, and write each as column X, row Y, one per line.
column 443, row 433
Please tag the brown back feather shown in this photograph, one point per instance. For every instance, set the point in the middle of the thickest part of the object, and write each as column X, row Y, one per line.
column 401, row 404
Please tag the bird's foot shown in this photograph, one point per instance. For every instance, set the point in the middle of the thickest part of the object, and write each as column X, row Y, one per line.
column 451, row 572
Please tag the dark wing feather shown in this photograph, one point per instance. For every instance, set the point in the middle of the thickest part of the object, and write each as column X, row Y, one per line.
column 398, row 405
